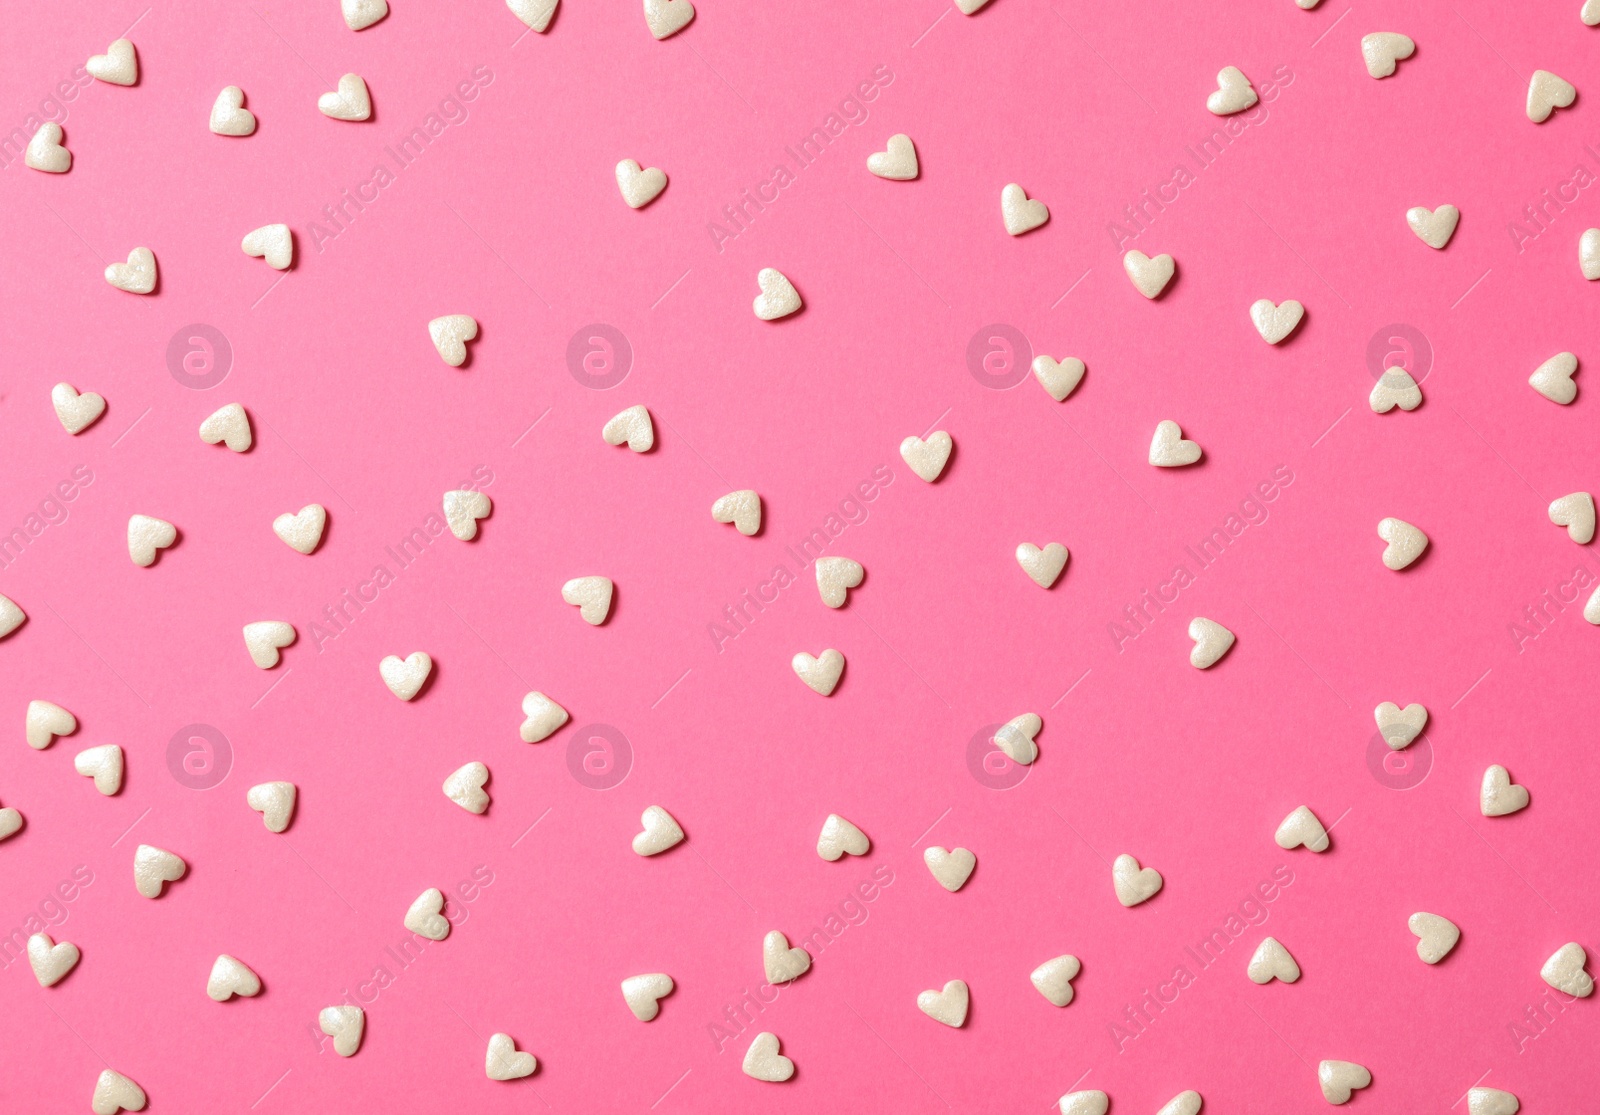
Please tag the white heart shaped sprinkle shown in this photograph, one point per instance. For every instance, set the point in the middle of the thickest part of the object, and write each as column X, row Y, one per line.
column 463, row 509
column 1381, row 50
column 1134, row 884
column 543, row 717
column 405, row 677
column 10, row 823
column 1546, row 93
column 763, row 1061
column 103, row 764
column 1090, row 1102
column 1184, row 1103
column 535, row 13
column 741, row 508
column 591, row 596
column 302, row 531
column 1302, row 829
column 503, row 1062
column 114, row 1092
column 780, row 962
column 1272, row 961
column 1589, row 248
column 465, row 787
column 661, row 831
column 1434, row 227
column 11, row 616
column 840, row 838
column 948, row 1005
column 229, row 425
column 76, row 412
column 229, row 117
column 1576, row 513
column 1590, row 13
column 345, row 1025
column 1405, row 543
column 230, row 977
column 1399, row 726
column 450, row 335
column 1340, row 1078
column 1211, row 642
column 265, row 638
column 1233, row 93
column 1436, row 936
column 350, row 101
column 927, row 458
column 138, row 275
column 1045, row 565
column 1591, row 610
column 778, row 298
column 632, row 426
column 154, row 867
column 46, row 152
column 1276, row 322
column 898, row 163
column 1491, row 1101
column 969, row 7
column 1059, row 378
column 1170, row 449
column 667, row 17
column 1149, row 276
column 1553, row 378
column 1019, row 212
column 643, row 994
column 1395, row 388
column 423, row 916
column 119, row 65
column 836, row 576
column 820, row 673
column 361, row 14
column 640, row 186
column 274, row 801
column 1053, row 979
column 1564, row 971
column 273, row 243
column 51, row 961
column 1499, row 795
column 951, row 868
column 1016, row 738
column 45, row 721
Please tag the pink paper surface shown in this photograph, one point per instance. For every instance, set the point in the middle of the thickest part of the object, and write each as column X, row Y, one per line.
column 511, row 214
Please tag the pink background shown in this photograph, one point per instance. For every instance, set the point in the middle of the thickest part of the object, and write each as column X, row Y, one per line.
column 512, row 215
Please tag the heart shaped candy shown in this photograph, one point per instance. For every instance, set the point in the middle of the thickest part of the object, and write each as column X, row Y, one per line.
column 1302, row 829
column 273, row 243
column 643, row 994
column 661, row 831
column 1019, row 212
column 667, row 17
column 1546, row 93
column 51, row 961
column 632, row 426
column 450, row 335
column 103, row 764
column 841, row 838
column 405, row 677
column 1399, row 726
column 154, row 867
column 1233, row 93
column 1276, row 321
column 948, row 1005
column 1576, row 513
column 1436, row 936
column 463, row 509
column 1382, row 50
column 361, row 14
column 1434, row 227
column 1059, row 378
column 1564, row 971
column 898, row 162
column 229, row 117
column 1053, row 979
column 1499, row 795
column 778, row 298
column 274, row 801
column 836, row 576
column 821, row 673
column 1405, row 543
column 264, row 638
column 591, row 596
column 639, row 186
column 1340, row 1078
column 45, row 721
column 1170, row 449
column 1395, row 388
column 742, row 509
column 138, row 275
column 503, row 1062
column 350, row 101
column 1272, row 961
column 1045, row 565
column 345, row 1025
column 1553, row 378
column 423, row 916
column 465, row 787
column 230, row 977
column 927, row 458
column 114, row 1092
column 230, row 425
column 780, row 962
column 543, row 717
column 1149, row 276
column 302, row 531
column 762, row 1060
column 1134, row 884
column 951, row 868
column 1016, row 738
column 1211, row 642
column 46, row 152
column 535, row 13
column 119, row 65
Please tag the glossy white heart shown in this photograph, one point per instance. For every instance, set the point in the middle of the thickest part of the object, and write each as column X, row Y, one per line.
column 51, row 961
column 969, row 7
column 1576, row 513
column 836, row 576
column 76, row 412
column 504, row 1062
column 1134, row 884
column 950, row 868
column 1170, row 449
column 632, row 426
column 927, row 458
column 230, row 977
column 154, row 867
column 46, row 152
column 1211, row 642
column 1184, row 1103
column 229, row 425
column 463, row 509
column 543, row 717
column 667, row 17
column 114, row 1092
column 535, row 13
column 1590, row 13
column 1059, row 378
column 350, row 101
column 898, row 162
column 10, row 823
column 778, row 298
column 640, row 186
column 273, row 243
column 591, row 596
column 1564, row 971
column 1019, row 212
column 345, row 1025
column 820, row 673
column 1434, row 227
column 119, row 65
column 1553, row 378
column 138, row 275
column 229, row 117
column 1340, row 1078
column 405, row 677
column 643, row 994
column 1233, row 93
column 1045, row 565
column 781, row 963
column 302, row 531
column 450, row 335
column 45, row 721
column 1405, row 543
column 1589, row 246
column 1436, row 936
column 948, row 1005
column 11, row 616
column 465, row 787
column 841, row 838
column 1395, row 388
column 1382, row 50
column 1016, row 738
column 661, row 831
column 103, row 764
column 741, row 508
column 1491, row 1101
column 265, row 638
column 1053, row 979
column 1272, row 961
column 1276, row 322
column 1499, row 795
column 1546, row 93
column 762, row 1060
column 423, row 917
column 1149, row 276
column 1399, row 726
column 361, row 14
column 274, row 801
column 1090, row 1102
column 1302, row 829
